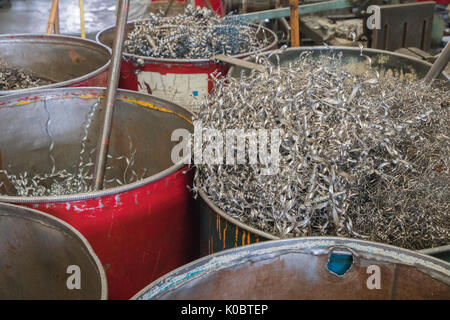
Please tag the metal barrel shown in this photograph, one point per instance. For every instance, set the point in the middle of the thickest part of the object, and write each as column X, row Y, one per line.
column 139, row 230
column 64, row 61
column 42, row 257
column 218, row 231
column 397, row 64
column 182, row 81
column 244, row 6
column 307, row 269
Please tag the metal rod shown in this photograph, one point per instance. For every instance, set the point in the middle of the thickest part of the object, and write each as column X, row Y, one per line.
column 169, row 5
column 438, row 65
column 52, row 17
column 56, row 26
column 239, row 62
column 303, row 9
column 295, row 29
column 113, row 82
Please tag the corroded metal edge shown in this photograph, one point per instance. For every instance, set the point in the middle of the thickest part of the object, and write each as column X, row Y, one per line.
column 433, row 267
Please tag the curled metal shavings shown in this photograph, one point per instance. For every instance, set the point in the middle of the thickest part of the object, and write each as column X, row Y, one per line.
column 63, row 181
column 198, row 33
column 13, row 79
column 363, row 156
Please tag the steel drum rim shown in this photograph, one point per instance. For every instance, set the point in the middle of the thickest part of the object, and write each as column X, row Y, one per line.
column 351, row 49
column 87, row 246
column 55, row 38
column 440, row 268
column 111, row 191
column 177, row 60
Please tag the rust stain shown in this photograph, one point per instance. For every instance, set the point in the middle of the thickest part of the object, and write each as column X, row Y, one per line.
column 224, row 231
column 257, row 239
column 236, row 237
column 219, row 229
column 248, row 238
column 75, row 56
column 243, row 238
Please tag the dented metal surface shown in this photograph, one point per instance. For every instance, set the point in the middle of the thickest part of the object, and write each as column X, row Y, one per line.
column 297, row 269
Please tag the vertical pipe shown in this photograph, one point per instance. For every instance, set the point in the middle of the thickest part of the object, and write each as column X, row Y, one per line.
column 56, row 26
column 169, row 5
column 83, row 31
column 52, row 17
column 295, row 28
column 113, row 82
column 439, row 65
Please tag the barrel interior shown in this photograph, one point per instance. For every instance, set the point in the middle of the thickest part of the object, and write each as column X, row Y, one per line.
column 28, row 131
column 384, row 62
column 38, row 251
column 306, row 272
column 55, row 59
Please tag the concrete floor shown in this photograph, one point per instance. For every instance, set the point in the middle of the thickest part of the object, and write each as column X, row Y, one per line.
column 31, row 16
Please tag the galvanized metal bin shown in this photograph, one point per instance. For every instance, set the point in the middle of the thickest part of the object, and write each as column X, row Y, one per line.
column 218, row 230
column 42, row 257
column 307, row 268
column 183, row 81
column 141, row 230
column 67, row 61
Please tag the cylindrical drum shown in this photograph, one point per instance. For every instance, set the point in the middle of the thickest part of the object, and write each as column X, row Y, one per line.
column 307, row 269
column 182, row 81
column 244, row 6
column 42, row 257
column 60, row 61
column 218, row 230
column 141, row 225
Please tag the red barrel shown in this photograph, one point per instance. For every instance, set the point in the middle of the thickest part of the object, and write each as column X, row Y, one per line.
column 183, row 81
column 65, row 61
column 217, row 5
column 140, row 230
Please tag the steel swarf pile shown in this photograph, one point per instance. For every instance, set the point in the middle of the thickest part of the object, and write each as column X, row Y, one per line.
column 199, row 33
column 14, row 79
column 79, row 178
column 360, row 155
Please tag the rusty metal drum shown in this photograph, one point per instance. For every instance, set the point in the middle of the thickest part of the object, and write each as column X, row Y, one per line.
column 38, row 255
column 218, row 230
column 62, row 60
column 140, row 230
column 307, row 269
column 182, row 81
